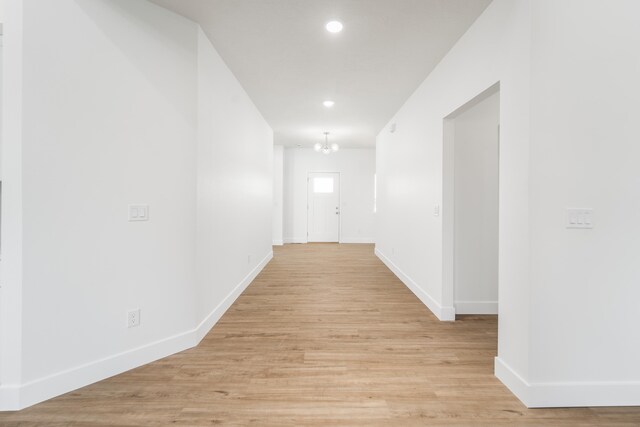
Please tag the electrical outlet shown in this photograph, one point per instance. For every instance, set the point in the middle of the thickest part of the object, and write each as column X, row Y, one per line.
column 133, row 318
column 248, row 259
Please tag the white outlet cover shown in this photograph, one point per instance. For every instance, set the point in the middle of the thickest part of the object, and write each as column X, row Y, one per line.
column 133, row 318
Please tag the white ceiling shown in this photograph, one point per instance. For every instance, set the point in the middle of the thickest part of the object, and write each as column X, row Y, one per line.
column 289, row 64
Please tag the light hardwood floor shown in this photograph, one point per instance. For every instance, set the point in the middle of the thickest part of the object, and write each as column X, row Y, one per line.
column 326, row 335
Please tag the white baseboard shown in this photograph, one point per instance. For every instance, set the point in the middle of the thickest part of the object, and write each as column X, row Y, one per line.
column 510, row 378
column 9, row 398
column 357, row 240
column 568, row 394
column 288, row 240
column 80, row 376
column 295, row 240
column 14, row 398
column 442, row 313
column 205, row 326
column 476, row 307
column 278, row 242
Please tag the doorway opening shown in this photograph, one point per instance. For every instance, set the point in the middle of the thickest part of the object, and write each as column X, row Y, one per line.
column 323, row 207
column 471, row 205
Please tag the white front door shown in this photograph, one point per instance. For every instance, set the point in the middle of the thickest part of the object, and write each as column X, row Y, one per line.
column 323, row 212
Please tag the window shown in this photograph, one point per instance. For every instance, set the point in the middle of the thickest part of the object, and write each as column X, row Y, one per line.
column 323, row 185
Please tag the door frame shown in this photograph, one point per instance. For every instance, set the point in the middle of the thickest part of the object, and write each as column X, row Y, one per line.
column 339, row 201
column 448, row 204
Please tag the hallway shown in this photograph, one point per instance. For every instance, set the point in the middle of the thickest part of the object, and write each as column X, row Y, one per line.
column 326, row 335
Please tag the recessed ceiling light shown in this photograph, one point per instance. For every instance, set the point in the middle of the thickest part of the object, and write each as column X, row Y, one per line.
column 328, row 104
column 334, row 26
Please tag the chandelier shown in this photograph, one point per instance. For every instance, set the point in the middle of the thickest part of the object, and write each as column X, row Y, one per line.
column 326, row 148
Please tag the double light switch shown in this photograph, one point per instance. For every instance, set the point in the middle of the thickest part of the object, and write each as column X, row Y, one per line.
column 579, row 218
column 138, row 212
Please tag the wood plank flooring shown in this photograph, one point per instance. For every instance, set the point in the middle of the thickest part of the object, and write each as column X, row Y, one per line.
column 326, row 335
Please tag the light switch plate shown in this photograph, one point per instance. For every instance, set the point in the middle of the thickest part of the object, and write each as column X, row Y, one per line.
column 579, row 218
column 138, row 212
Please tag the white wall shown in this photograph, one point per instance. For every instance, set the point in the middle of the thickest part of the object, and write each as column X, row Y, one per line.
column 1, row 98
column 409, row 167
column 567, row 91
column 127, row 104
column 476, row 208
column 357, row 170
column 235, row 184
column 11, row 272
column 105, row 124
column 278, row 196
column 584, row 152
